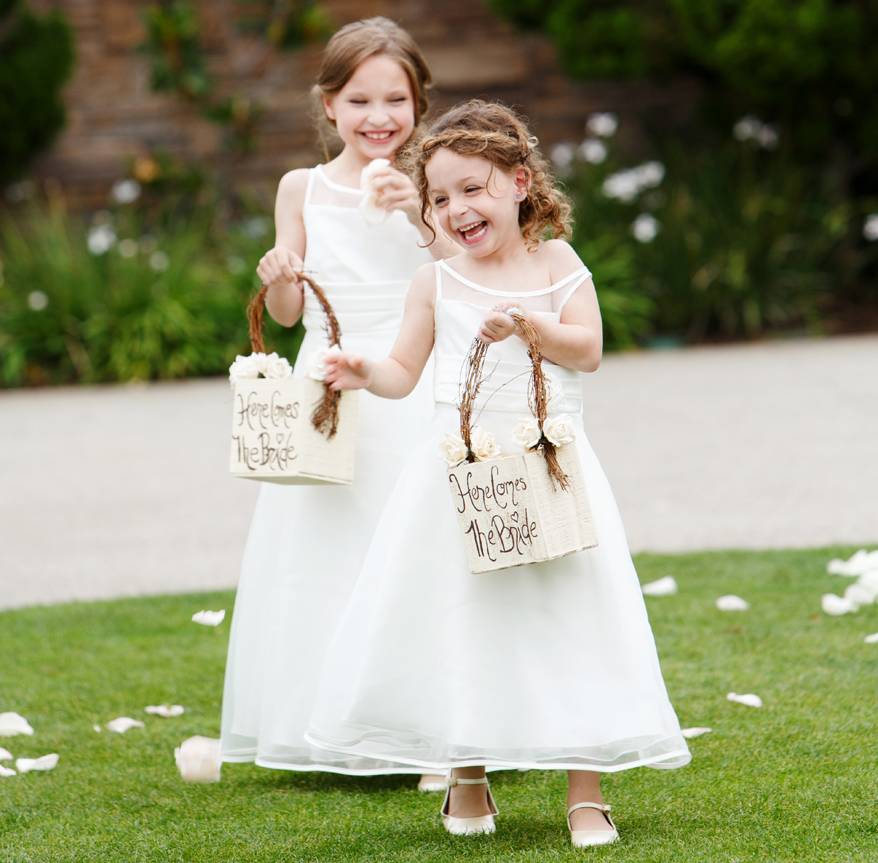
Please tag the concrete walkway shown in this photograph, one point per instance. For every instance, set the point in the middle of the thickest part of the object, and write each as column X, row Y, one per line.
column 123, row 491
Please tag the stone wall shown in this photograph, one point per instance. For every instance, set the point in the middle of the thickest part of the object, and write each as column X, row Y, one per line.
column 113, row 115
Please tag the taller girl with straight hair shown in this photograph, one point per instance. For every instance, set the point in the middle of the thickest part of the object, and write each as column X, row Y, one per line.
column 306, row 544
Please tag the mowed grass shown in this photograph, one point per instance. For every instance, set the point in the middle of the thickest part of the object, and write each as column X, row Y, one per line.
column 796, row 780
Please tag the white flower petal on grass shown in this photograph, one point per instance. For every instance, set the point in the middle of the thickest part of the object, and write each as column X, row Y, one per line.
column 123, row 724
column 836, row 605
column 666, row 586
column 484, row 444
column 209, row 618
column 603, row 124
column 452, row 450
column 858, row 563
column 869, row 581
column 870, row 227
column 6, row 771
column 732, row 603
column 750, row 700
column 199, row 759
column 12, row 724
column 166, row 710
column 689, row 733
column 44, row 762
column 97, row 728
column 559, row 430
column 526, row 433
column 5, row 754
column 858, row 594
column 369, row 208
column 871, row 639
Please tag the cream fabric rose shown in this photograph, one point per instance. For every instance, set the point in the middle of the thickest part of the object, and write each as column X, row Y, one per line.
column 452, row 450
column 315, row 365
column 526, row 433
column 12, row 724
column 559, row 430
column 242, row 368
column 484, row 445
column 276, row 367
column 45, row 762
column 199, row 759
column 370, row 209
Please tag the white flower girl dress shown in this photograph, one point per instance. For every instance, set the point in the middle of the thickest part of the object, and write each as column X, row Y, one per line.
column 547, row 665
column 307, row 543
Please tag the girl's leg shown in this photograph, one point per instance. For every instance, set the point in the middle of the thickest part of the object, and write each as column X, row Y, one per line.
column 468, row 801
column 584, row 786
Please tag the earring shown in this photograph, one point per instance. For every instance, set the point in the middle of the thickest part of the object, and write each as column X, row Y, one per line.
column 518, row 197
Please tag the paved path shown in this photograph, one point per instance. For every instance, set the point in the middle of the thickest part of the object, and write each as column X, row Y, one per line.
column 123, row 491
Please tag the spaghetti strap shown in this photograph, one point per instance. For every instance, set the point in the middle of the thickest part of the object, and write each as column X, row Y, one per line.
column 582, row 276
column 309, row 188
column 438, row 270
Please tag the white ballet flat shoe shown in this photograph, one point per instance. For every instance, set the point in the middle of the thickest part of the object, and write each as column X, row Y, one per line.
column 589, row 838
column 462, row 826
column 430, row 782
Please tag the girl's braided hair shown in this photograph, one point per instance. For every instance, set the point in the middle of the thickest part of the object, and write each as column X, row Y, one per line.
column 496, row 133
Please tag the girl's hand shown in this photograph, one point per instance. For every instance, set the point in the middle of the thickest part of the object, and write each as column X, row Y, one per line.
column 497, row 325
column 395, row 191
column 347, row 371
column 278, row 268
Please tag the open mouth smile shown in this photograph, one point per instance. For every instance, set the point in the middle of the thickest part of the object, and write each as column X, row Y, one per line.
column 473, row 232
column 378, row 137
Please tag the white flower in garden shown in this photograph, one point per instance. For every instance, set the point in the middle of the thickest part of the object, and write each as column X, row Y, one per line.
column 603, row 124
column 836, row 605
column 870, row 227
column 209, row 618
column 277, row 367
column 622, row 185
column 749, row 700
column 747, row 128
column 243, row 368
column 559, row 430
column 159, row 261
column 125, row 191
column 768, row 137
column 12, row 724
column 128, row 248
column 732, row 603
column 123, row 724
column 645, row 228
column 101, row 239
column 315, row 365
column 526, row 433
column 592, row 150
column 6, row 771
column 689, row 733
column 166, row 710
column 37, row 301
column 649, row 174
column 666, row 586
column 452, row 450
column 45, row 762
column 199, row 759
column 484, row 444
column 562, row 155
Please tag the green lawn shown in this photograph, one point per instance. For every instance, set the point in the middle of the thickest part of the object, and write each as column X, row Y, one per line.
column 794, row 781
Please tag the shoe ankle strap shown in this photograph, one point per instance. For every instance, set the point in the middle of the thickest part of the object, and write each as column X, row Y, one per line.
column 601, row 807
column 452, row 781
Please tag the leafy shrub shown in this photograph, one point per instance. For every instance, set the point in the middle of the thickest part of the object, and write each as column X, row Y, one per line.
column 36, row 58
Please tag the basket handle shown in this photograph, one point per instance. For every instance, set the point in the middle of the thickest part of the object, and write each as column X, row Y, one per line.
column 325, row 416
column 537, row 398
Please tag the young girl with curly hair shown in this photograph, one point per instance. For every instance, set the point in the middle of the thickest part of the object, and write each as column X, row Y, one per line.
column 548, row 665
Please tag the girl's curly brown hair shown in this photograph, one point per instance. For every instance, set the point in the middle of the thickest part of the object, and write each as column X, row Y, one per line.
column 496, row 133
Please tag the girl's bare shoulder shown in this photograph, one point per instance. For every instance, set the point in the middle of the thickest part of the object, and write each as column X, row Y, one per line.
column 560, row 257
column 292, row 186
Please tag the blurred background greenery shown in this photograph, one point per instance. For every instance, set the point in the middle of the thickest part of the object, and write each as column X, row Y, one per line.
column 751, row 213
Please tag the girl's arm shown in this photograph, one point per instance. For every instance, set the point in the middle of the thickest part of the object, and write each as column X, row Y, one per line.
column 576, row 341
column 278, row 267
column 397, row 192
column 397, row 375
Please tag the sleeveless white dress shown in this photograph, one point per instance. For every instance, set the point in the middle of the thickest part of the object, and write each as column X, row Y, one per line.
column 547, row 665
column 307, row 543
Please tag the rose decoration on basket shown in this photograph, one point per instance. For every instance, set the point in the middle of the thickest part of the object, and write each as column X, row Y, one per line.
column 267, row 365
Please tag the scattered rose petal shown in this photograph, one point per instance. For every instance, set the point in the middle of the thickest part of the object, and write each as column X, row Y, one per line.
column 869, row 580
column 836, row 605
column 666, row 586
column 6, row 771
column 45, row 762
column 166, row 710
column 732, row 603
column 749, row 699
column 123, row 723
column 5, row 754
column 97, row 728
column 858, row 563
column 12, row 724
column 871, row 639
column 199, row 759
column 209, row 618
column 689, row 733
column 859, row 594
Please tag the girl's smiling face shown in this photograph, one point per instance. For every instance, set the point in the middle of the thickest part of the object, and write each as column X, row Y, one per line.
column 475, row 202
column 374, row 112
